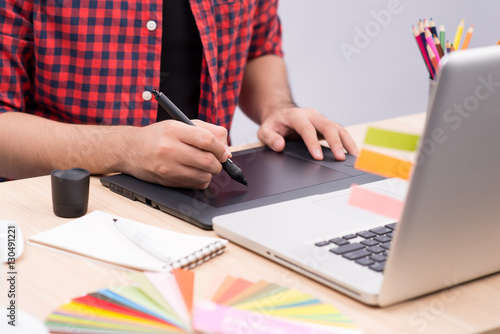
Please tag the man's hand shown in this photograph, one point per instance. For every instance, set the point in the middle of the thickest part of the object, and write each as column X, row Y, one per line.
column 291, row 122
column 170, row 152
column 266, row 99
column 178, row 155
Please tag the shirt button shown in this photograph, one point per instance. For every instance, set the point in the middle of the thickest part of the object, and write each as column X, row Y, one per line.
column 151, row 25
column 146, row 95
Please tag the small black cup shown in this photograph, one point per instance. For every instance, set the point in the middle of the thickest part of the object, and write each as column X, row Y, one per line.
column 70, row 192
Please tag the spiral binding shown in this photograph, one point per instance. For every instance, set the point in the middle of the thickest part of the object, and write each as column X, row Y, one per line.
column 200, row 256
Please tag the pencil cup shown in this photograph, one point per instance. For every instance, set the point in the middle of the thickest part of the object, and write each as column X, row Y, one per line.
column 70, row 192
column 432, row 92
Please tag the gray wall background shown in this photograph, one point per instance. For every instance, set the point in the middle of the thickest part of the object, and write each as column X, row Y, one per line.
column 386, row 76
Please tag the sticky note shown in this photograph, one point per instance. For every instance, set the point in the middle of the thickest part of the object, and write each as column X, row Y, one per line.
column 383, row 165
column 392, row 139
column 375, row 202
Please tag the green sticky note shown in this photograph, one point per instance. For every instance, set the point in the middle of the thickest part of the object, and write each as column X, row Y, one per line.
column 392, row 139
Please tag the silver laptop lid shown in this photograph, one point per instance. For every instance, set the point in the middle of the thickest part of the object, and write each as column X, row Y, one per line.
column 449, row 231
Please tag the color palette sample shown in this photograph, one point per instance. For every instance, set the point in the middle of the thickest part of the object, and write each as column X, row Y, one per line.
column 185, row 302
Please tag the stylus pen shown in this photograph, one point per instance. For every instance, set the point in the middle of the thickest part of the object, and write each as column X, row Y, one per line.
column 142, row 241
column 234, row 171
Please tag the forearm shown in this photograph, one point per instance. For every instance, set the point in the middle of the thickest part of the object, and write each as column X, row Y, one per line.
column 33, row 146
column 265, row 88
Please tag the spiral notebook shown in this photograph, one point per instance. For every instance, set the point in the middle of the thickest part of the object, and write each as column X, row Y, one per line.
column 95, row 236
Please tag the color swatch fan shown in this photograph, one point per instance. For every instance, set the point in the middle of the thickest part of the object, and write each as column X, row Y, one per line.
column 182, row 302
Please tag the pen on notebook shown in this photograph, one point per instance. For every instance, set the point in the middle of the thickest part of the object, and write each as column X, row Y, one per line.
column 142, row 241
column 234, row 171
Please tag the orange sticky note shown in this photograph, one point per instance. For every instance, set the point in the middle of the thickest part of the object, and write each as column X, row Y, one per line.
column 383, row 165
column 375, row 202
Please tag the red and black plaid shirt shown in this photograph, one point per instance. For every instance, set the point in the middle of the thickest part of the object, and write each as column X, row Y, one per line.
column 90, row 61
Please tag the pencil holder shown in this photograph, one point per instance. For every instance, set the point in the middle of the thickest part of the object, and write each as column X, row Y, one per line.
column 70, row 192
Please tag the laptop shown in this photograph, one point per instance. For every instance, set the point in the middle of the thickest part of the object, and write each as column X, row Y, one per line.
column 449, row 229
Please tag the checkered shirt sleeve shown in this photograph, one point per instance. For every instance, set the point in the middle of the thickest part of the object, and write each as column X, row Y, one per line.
column 94, row 61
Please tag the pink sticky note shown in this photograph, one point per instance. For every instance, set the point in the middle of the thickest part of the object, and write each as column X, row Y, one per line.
column 375, row 202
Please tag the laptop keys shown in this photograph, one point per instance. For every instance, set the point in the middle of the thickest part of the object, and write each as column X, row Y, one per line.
column 322, row 243
column 370, row 252
column 366, row 234
column 383, row 238
column 347, row 248
column 365, row 261
column 370, row 242
column 378, row 266
column 339, row 241
column 356, row 255
column 392, row 226
column 378, row 257
column 381, row 230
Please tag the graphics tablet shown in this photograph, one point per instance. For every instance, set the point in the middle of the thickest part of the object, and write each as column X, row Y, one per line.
column 272, row 177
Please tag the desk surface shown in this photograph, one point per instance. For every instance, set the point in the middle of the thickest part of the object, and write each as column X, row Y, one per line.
column 48, row 279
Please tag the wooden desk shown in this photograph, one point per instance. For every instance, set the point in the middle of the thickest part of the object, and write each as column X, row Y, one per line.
column 47, row 279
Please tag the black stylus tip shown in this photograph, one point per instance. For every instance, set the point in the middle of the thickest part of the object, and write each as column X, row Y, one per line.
column 234, row 172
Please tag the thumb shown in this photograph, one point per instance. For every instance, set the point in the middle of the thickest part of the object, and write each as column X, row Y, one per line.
column 271, row 139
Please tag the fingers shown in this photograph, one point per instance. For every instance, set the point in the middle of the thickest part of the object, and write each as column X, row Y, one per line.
column 336, row 136
column 271, row 138
column 207, row 137
column 175, row 154
column 307, row 123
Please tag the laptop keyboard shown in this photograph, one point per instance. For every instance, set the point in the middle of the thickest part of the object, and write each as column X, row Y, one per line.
column 368, row 248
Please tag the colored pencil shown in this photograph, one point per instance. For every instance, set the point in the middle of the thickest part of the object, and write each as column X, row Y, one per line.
column 432, row 26
column 433, row 59
column 423, row 52
column 442, row 34
column 468, row 36
column 448, row 47
column 430, row 42
column 458, row 34
column 421, row 30
column 452, row 48
column 498, row 43
column 439, row 47
column 426, row 24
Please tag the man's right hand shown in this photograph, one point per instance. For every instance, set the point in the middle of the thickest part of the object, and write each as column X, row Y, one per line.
column 175, row 154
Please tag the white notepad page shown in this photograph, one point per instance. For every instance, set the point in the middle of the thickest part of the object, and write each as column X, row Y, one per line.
column 95, row 236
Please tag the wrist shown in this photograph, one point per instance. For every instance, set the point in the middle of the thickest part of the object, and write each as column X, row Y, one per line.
column 276, row 107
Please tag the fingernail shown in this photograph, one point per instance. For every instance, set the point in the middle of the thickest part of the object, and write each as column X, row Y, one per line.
column 276, row 144
column 318, row 154
column 225, row 156
column 228, row 151
column 340, row 153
